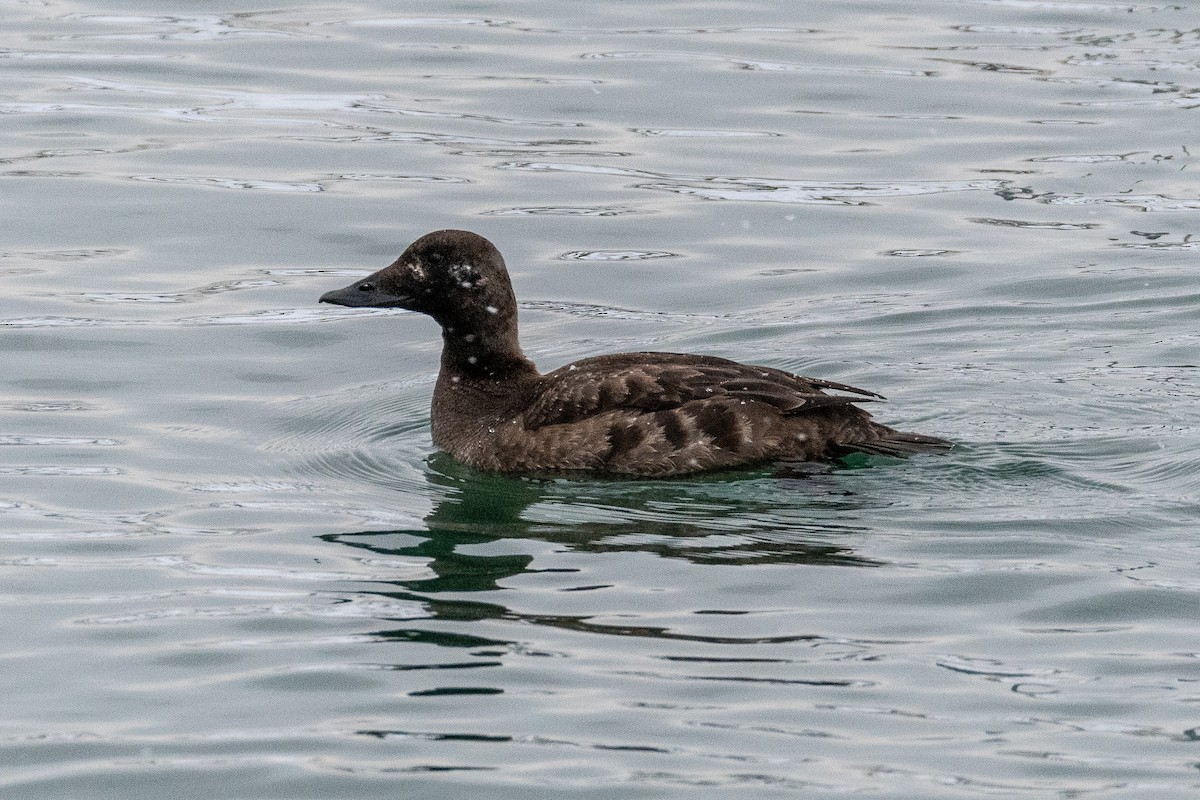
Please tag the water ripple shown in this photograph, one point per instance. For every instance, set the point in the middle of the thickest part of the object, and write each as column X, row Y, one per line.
column 615, row 255
column 78, row 152
column 346, row 606
column 232, row 183
column 183, row 28
column 775, row 190
column 991, row 66
column 183, row 296
column 816, row 192
column 1097, row 158
column 81, row 254
column 1109, row 61
column 1137, row 202
column 247, row 487
column 1019, row 30
column 59, row 55
column 595, row 310
column 1184, row 245
column 364, row 515
column 228, row 105
column 1029, row 224
column 51, row 406
column 67, row 441
column 686, row 133
column 315, row 271
column 762, row 66
column 653, row 31
column 371, row 177
column 421, row 22
column 926, row 253
column 397, row 570
column 993, row 668
column 59, row 470
column 1074, row 6
column 566, row 211
column 293, row 316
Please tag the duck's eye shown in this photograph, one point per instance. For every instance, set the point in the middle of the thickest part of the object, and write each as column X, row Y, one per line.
column 366, row 286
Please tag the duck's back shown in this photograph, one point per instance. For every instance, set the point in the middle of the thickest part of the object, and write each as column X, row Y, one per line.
column 663, row 381
column 660, row 414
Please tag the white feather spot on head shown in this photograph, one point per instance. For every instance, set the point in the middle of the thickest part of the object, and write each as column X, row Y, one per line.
column 463, row 274
column 470, row 337
column 472, row 360
column 492, row 310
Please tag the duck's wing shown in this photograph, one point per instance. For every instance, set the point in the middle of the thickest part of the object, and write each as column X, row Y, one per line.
column 650, row 382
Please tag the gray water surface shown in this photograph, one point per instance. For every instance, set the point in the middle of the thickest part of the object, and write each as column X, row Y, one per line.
column 233, row 566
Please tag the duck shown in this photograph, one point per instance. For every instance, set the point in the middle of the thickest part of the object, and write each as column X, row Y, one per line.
column 640, row 414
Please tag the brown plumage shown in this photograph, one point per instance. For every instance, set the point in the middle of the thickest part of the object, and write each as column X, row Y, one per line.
column 650, row 414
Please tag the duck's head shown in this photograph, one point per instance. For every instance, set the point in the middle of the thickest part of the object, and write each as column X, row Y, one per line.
column 456, row 277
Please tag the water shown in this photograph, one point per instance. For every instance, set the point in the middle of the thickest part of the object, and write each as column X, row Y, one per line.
column 229, row 557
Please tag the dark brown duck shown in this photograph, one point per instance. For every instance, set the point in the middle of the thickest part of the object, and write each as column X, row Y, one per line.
column 651, row 414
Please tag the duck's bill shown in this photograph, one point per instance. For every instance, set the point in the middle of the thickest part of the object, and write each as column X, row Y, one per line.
column 364, row 294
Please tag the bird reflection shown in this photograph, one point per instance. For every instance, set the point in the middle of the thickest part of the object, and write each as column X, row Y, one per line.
column 739, row 519
column 742, row 519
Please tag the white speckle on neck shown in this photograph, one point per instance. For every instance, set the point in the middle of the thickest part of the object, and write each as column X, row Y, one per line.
column 472, row 360
column 470, row 337
column 492, row 310
column 455, row 379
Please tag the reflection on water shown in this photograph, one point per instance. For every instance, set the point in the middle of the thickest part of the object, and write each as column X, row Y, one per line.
column 710, row 524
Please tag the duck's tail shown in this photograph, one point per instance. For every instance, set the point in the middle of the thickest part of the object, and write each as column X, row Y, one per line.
column 901, row 444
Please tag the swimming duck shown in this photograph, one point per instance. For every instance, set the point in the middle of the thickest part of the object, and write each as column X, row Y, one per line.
column 643, row 414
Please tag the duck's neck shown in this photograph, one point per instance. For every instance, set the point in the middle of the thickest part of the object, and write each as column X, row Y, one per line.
column 484, row 354
column 481, row 381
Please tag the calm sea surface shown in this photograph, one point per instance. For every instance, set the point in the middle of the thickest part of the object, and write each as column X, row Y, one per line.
column 232, row 565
